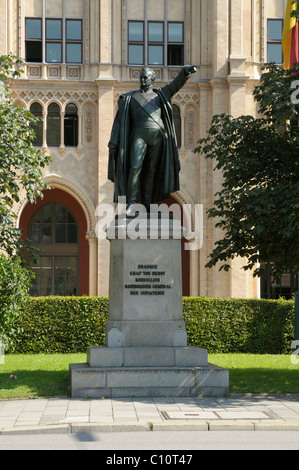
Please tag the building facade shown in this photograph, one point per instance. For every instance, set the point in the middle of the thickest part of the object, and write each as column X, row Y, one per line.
column 80, row 55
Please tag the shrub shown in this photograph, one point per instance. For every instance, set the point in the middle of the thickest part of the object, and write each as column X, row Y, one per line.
column 62, row 324
column 70, row 324
column 256, row 326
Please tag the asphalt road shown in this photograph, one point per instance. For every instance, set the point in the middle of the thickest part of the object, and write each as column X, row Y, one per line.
column 153, row 442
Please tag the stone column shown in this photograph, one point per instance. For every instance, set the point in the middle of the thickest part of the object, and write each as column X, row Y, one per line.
column 62, row 115
column 45, row 118
column 93, row 284
column 236, row 55
column 221, row 38
column 106, row 38
column 80, row 127
column 5, row 15
column 237, row 88
column 205, row 176
column 105, row 188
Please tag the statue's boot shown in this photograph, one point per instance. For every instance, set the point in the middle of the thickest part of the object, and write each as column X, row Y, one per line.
column 132, row 192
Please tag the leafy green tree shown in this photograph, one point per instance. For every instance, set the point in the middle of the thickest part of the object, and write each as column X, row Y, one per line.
column 21, row 167
column 258, row 205
column 21, row 163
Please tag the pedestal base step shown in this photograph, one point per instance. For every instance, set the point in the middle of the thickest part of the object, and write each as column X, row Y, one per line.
column 102, row 356
column 113, row 382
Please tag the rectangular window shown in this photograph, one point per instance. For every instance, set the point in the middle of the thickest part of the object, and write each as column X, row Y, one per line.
column 53, row 41
column 175, row 45
column 163, row 42
column 65, row 275
column 55, row 275
column 155, row 43
column 274, row 35
column 33, row 41
column 74, row 41
column 42, row 285
column 136, row 42
column 53, row 125
column 60, row 44
column 54, row 30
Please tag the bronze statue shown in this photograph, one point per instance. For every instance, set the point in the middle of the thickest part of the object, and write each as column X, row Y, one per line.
column 143, row 155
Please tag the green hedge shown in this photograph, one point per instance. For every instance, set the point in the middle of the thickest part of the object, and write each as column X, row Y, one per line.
column 240, row 325
column 70, row 324
column 62, row 324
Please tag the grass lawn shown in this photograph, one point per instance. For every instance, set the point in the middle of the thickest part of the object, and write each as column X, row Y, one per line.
column 254, row 373
column 37, row 375
column 47, row 374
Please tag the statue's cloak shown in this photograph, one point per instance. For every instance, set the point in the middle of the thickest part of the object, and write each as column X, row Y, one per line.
column 167, row 175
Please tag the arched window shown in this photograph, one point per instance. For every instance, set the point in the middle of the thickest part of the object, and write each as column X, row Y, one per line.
column 53, row 125
column 176, row 112
column 36, row 110
column 71, row 126
column 54, row 229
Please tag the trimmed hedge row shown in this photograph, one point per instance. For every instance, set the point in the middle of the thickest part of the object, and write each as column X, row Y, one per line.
column 70, row 324
column 62, row 324
column 255, row 326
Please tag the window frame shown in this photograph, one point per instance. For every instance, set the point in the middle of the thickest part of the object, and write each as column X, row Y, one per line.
column 30, row 18
column 54, row 41
column 38, row 127
column 183, row 32
column 156, row 43
column 176, row 43
column 73, row 41
column 54, row 249
column 75, row 125
column 49, row 114
column 34, row 40
column 44, row 41
column 53, row 222
column 53, row 278
column 146, row 43
column 42, row 133
column 137, row 42
column 274, row 41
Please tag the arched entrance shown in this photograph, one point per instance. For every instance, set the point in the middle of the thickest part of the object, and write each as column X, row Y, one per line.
column 57, row 225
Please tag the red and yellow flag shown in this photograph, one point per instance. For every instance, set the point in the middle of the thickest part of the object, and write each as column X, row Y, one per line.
column 290, row 36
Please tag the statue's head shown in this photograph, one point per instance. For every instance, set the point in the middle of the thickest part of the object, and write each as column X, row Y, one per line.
column 147, row 77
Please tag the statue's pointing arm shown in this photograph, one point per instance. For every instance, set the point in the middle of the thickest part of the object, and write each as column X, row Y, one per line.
column 179, row 81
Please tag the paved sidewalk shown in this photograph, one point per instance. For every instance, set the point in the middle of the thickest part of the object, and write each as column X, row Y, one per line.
column 238, row 412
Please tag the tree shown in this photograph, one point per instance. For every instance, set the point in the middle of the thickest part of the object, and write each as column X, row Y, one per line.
column 258, row 204
column 20, row 170
column 21, row 163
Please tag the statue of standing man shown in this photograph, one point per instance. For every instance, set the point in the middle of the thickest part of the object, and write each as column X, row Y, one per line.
column 143, row 155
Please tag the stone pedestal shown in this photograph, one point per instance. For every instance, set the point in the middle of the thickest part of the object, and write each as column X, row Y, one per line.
column 146, row 352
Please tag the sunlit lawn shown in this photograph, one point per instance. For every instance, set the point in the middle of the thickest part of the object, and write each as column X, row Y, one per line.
column 36, row 375
column 47, row 374
column 253, row 373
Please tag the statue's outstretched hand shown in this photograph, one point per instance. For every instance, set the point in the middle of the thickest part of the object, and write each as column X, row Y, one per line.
column 190, row 69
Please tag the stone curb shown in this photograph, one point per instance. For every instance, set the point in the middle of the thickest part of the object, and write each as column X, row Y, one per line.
column 228, row 425
column 88, row 428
